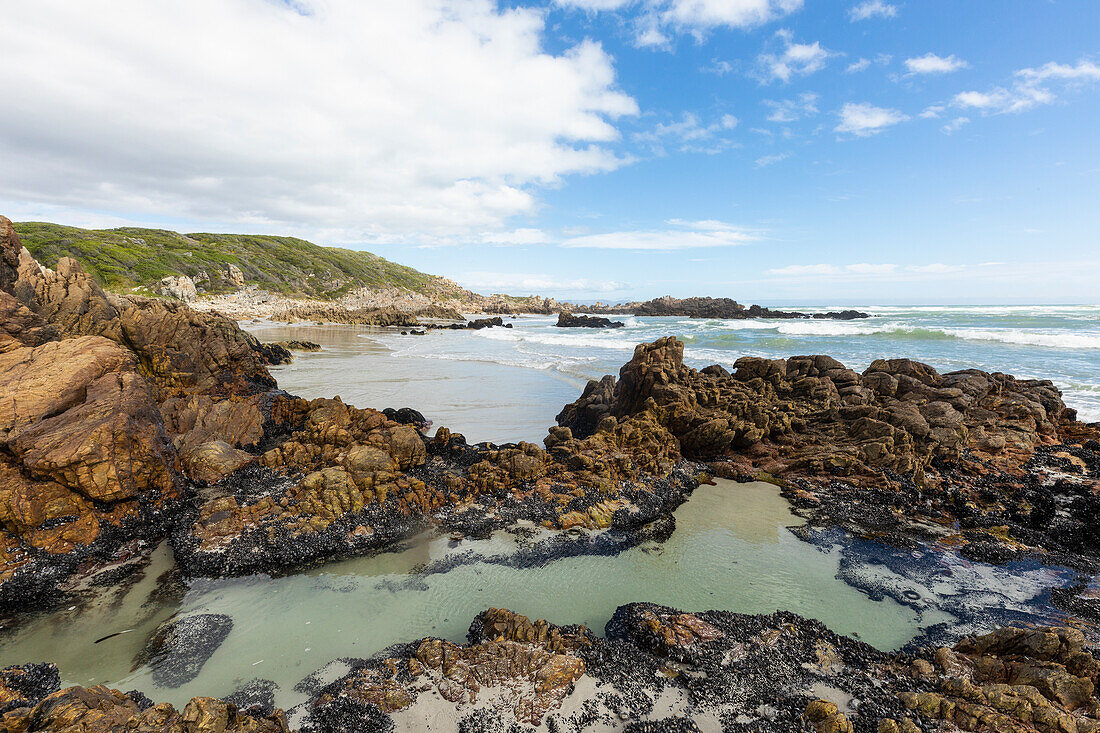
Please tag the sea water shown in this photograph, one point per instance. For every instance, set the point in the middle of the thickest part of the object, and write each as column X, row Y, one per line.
column 732, row 548
column 505, row 385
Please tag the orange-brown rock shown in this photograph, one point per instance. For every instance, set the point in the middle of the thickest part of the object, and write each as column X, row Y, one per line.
column 77, row 413
column 512, row 664
column 809, row 415
column 100, row 709
column 1018, row 680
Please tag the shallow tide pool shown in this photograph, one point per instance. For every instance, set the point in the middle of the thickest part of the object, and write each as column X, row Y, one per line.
column 731, row 550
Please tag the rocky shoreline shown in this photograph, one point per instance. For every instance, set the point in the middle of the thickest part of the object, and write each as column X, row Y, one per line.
column 654, row 669
column 126, row 420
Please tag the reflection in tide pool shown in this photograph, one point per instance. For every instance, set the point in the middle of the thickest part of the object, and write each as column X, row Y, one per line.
column 731, row 550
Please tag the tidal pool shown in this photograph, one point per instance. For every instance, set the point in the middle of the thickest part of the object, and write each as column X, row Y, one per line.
column 732, row 550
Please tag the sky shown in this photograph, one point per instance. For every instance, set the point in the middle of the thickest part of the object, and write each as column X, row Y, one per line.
column 773, row 151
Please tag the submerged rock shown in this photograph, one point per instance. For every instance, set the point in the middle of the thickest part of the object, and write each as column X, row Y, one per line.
column 177, row 649
column 255, row 697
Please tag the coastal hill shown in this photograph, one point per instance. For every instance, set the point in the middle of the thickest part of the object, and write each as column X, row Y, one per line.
column 288, row 279
column 128, row 258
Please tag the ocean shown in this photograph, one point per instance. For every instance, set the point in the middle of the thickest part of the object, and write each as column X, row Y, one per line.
column 508, row 384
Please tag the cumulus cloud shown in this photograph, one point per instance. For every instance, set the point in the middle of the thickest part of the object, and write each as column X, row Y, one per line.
column 377, row 120
column 872, row 9
column 864, row 120
column 793, row 59
column 690, row 135
column 930, row 63
column 657, row 21
column 1031, row 88
column 681, row 235
column 792, row 110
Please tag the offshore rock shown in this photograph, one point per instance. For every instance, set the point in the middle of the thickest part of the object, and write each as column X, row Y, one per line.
column 569, row 320
column 723, row 308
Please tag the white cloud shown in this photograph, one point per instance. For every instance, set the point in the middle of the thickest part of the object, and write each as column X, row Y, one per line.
column 795, row 59
column 1003, row 101
column 872, row 8
column 864, row 120
column 791, row 110
column 661, row 19
column 594, row 5
column 765, row 160
column 930, row 63
column 935, row 268
column 718, row 67
column 516, row 237
column 683, row 235
column 1031, row 88
column 392, row 120
column 862, row 64
column 933, row 112
column 1083, row 71
column 519, row 283
column 806, row 270
column 864, row 270
column 955, row 125
column 689, row 135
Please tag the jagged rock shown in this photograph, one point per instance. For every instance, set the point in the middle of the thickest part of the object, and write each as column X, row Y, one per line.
column 100, row 709
column 297, row 345
column 569, row 320
column 275, row 354
column 234, row 275
column 521, row 666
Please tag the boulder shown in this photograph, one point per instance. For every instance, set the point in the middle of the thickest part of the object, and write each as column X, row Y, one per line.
column 180, row 287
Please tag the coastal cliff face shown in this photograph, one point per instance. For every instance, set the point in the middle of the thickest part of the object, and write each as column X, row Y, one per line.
column 125, row 420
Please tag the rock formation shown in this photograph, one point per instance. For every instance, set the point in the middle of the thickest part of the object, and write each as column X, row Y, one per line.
column 763, row 672
column 898, row 430
column 569, row 320
column 31, row 699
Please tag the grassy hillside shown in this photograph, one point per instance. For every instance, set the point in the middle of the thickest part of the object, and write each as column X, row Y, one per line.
column 127, row 258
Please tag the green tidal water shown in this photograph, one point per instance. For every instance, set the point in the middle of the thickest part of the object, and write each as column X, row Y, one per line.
column 731, row 550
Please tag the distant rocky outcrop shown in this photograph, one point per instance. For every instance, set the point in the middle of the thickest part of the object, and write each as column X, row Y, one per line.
column 570, row 320
column 724, row 308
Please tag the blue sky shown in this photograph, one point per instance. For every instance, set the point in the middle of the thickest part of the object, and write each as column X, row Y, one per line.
column 777, row 151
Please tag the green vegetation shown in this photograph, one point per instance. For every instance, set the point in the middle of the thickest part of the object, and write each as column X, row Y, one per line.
column 128, row 258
